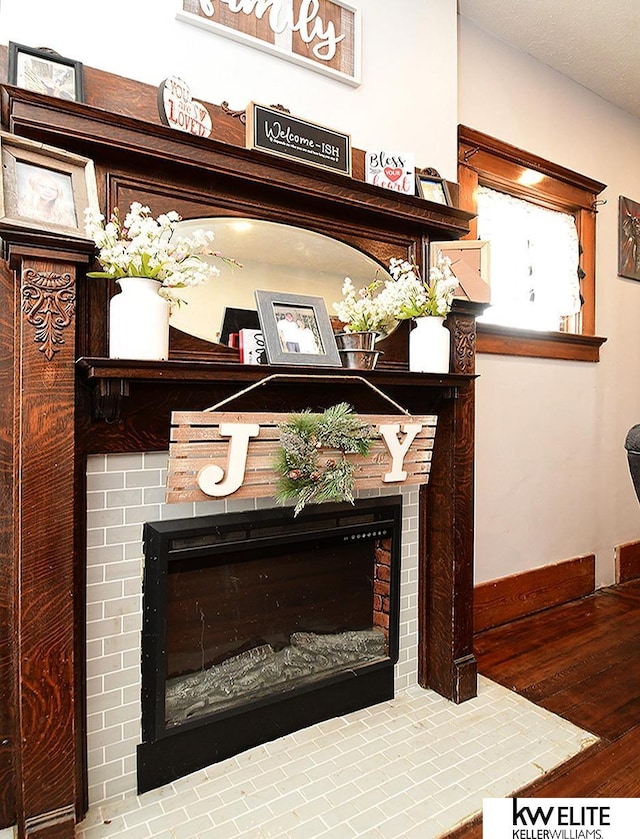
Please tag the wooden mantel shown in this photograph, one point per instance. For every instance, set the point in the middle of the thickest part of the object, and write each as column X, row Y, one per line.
column 63, row 400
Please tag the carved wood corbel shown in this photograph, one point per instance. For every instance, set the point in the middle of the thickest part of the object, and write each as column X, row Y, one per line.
column 48, row 304
column 461, row 322
column 107, row 399
column 464, row 345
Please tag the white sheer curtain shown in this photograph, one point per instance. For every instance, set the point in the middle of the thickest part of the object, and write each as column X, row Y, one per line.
column 534, row 262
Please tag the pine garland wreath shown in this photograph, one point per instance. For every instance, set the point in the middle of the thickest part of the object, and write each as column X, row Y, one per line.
column 305, row 475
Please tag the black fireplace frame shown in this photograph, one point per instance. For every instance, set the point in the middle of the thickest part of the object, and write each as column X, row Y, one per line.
column 167, row 753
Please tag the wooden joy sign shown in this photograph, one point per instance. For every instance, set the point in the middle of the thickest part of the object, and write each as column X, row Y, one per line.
column 215, row 455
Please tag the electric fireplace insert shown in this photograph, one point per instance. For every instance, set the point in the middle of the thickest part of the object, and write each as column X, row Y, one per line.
column 260, row 623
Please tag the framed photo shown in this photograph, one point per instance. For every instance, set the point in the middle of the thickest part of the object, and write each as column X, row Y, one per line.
column 44, row 188
column 628, row 238
column 44, row 71
column 470, row 263
column 431, row 187
column 296, row 329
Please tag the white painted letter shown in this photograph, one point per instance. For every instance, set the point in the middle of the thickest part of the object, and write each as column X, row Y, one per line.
column 210, row 478
column 207, row 8
column 398, row 450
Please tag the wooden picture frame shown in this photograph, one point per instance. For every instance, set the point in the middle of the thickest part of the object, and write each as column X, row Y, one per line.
column 431, row 187
column 296, row 329
column 628, row 238
column 44, row 188
column 470, row 262
column 45, row 71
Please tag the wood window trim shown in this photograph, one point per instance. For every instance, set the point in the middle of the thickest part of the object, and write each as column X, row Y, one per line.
column 486, row 161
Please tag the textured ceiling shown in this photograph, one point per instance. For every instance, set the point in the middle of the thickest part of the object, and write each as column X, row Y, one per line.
column 594, row 42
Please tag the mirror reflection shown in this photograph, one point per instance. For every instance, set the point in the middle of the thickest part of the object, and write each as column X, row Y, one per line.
column 275, row 257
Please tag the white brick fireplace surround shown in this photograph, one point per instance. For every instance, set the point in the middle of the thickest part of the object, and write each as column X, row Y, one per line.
column 411, row 767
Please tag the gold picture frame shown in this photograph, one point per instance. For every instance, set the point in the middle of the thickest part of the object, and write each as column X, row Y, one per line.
column 470, row 262
column 45, row 188
column 431, row 187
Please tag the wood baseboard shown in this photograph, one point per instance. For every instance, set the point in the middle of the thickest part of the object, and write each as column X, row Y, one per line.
column 627, row 562
column 500, row 601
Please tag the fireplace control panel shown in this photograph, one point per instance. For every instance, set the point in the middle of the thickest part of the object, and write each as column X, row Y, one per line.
column 370, row 534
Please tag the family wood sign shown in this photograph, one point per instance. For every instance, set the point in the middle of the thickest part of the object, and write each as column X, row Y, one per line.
column 222, row 454
column 323, row 35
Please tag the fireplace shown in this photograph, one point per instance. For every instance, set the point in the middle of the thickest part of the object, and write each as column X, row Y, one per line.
column 77, row 641
column 257, row 624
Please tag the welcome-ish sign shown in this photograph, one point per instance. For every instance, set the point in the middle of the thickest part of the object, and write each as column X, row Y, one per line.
column 323, row 35
column 217, row 455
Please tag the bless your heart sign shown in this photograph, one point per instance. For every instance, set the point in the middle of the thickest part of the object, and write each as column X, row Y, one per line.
column 391, row 170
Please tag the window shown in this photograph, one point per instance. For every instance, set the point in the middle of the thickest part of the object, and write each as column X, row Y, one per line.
column 535, row 282
column 540, row 220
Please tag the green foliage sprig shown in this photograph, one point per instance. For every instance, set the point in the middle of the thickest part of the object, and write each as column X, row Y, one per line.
column 305, row 474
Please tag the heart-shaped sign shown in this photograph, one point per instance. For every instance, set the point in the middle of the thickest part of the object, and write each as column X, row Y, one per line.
column 179, row 110
column 393, row 173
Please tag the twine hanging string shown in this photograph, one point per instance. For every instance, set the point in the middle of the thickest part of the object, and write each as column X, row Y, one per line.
column 302, row 378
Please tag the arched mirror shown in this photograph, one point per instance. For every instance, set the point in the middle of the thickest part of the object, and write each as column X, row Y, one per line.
column 275, row 257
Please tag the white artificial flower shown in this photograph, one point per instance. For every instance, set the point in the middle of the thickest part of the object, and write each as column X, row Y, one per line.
column 407, row 296
column 141, row 246
column 363, row 310
column 375, row 307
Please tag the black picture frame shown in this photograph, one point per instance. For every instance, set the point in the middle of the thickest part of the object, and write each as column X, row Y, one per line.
column 628, row 238
column 431, row 187
column 315, row 347
column 233, row 320
column 43, row 70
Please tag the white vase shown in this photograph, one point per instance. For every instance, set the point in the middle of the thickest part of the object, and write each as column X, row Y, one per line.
column 139, row 321
column 429, row 346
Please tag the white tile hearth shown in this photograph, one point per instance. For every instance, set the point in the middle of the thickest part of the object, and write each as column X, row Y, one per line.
column 411, row 768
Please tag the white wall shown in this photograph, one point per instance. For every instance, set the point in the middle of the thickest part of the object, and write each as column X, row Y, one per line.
column 407, row 99
column 552, row 479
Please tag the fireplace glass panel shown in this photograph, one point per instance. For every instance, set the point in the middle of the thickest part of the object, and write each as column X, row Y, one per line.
column 259, row 622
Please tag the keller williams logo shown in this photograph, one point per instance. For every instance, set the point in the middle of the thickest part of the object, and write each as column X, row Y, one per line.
column 560, row 822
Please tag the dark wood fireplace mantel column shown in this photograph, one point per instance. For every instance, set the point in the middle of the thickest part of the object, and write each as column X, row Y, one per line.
column 40, row 739
column 446, row 660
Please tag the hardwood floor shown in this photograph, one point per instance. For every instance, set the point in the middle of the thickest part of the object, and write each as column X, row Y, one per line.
column 580, row 660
